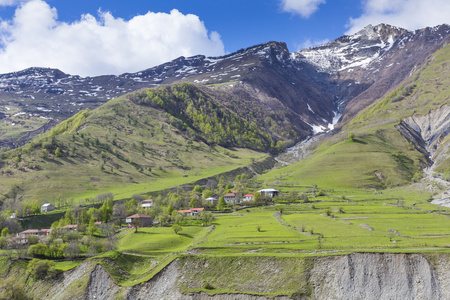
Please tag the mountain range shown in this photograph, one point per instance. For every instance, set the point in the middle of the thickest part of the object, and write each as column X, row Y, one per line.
column 277, row 98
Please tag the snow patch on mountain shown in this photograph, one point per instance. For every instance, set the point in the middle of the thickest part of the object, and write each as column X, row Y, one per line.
column 358, row 50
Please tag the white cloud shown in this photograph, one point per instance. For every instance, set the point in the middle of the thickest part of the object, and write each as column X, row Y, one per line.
column 103, row 45
column 8, row 2
column 308, row 43
column 409, row 14
column 304, row 8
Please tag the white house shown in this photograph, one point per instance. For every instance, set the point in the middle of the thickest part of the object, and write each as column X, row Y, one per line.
column 268, row 193
column 47, row 207
column 212, row 200
column 248, row 197
column 147, row 204
column 230, row 197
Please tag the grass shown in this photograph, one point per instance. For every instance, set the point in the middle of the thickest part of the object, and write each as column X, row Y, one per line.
column 120, row 147
column 157, row 241
column 376, row 159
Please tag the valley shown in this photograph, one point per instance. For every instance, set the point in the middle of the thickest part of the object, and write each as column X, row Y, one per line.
column 352, row 135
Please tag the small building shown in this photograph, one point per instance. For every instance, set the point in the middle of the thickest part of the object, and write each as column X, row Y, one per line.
column 141, row 220
column 229, row 198
column 147, row 204
column 22, row 237
column 70, row 228
column 212, row 200
column 248, row 198
column 47, row 207
column 97, row 223
column 269, row 193
column 191, row 212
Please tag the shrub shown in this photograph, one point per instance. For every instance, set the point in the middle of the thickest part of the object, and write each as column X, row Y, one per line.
column 351, row 136
column 177, row 228
column 321, row 193
column 258, row 228
column 40, row 269
column 207, row 286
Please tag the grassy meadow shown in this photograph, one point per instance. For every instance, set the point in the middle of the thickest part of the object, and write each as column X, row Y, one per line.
column 340, row 222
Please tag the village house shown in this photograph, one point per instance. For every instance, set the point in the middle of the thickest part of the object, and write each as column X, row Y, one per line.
column 141, row 220
column 47, row 207
column 70, row 228
column 248, row 198
column 268, row 193
column 22, row 237
column 191, row 212
column 147, row 204
column 230, row 198
column 212, row 200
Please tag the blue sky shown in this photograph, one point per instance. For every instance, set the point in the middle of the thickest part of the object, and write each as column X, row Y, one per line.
column 111, row 37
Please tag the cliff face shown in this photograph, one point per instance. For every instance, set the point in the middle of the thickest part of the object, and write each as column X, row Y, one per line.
column 378, row 276
column 354, row 276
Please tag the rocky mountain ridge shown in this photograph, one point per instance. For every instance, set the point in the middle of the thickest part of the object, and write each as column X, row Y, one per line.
column 318, row 85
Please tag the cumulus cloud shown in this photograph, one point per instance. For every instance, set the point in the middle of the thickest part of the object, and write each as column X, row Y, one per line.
column 409, row 14
column 304, row 8
column 308, row 43
column 8, row 2
column 100, row 45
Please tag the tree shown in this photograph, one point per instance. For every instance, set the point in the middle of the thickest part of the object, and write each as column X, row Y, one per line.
column 197, row 190
column 177, row 228
column 258, row 198
column 40, row 269
column 5, row 232
column 195, row 202
column 207, row 217
column 351, row 136
column 73, row 250
column 106, row 210
column 3, row 242
column 170, row 209
column 12, row 289
column 37, row 250
column 92, row 229
column 207, row 194
column 32, row 240
column 221, row 204
column 58, row 152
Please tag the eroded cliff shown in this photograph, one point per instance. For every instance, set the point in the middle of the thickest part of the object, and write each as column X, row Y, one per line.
column 353, row 276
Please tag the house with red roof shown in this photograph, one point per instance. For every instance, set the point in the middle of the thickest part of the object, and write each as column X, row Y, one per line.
column 230, row 198
column 142, row 219
column 248, row 198
column 70, row 227
column 22, row 237
column 191, row 212
column 147, row 204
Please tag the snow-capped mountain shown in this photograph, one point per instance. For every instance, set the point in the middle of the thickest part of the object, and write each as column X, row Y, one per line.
column 373, row 61
column 313, row 87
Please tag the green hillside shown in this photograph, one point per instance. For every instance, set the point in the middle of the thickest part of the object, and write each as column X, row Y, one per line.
column 379, row 156
column 125, row 148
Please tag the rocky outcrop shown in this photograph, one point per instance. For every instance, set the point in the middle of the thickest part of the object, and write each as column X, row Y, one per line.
column 427, row 132
column 354, row 276
column 376, row 276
